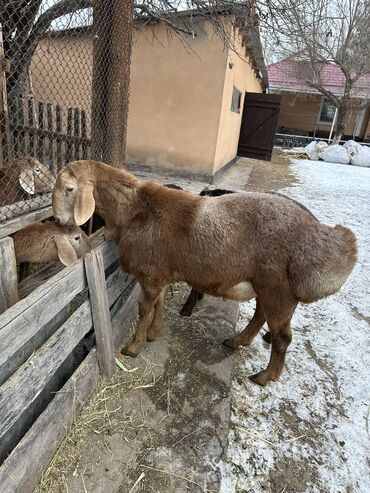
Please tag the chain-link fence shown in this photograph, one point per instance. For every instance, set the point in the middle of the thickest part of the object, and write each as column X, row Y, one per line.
column 64, row 79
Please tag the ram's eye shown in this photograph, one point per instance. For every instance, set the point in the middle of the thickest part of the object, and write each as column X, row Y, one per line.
column 77, row 238
column 69, row 189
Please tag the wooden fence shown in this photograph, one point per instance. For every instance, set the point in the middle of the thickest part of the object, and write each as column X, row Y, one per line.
column 49, row 133
column 38, row 340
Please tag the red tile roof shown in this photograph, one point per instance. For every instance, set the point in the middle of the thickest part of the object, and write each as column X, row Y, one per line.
column 284, row 75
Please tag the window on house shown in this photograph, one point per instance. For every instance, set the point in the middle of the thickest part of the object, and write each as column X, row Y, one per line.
column 327, row 111
column 236, row 100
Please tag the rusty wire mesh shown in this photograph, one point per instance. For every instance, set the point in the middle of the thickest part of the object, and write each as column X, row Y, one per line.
column 64, row 79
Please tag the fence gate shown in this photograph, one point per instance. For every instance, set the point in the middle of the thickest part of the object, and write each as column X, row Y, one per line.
column 259, row 122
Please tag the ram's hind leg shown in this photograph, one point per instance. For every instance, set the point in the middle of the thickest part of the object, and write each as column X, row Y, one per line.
column 147, row 301
column 157, row 322
column 190, row 303
column 249, row 333
column 278, row 305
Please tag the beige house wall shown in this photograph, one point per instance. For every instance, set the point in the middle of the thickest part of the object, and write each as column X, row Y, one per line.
column 176, row 96
column 238, row 74
column 302, row 111
column 180, row 94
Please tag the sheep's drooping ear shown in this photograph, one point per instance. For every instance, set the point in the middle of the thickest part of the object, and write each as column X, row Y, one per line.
column 27, row 182
column 84, row 203
column 66, row 253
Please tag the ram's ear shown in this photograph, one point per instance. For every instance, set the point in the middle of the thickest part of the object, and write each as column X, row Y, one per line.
column 84, row 205
column 66, row 253
column 27, row 181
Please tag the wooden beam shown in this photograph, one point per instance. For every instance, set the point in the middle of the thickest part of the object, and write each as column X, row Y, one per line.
column 94, row 266
column 13, row 225
column 5, row 138
column 23, row 469
column 117, row 283
column 8, row 275
column 20, row 393
column 20, row 325
column 125, row 317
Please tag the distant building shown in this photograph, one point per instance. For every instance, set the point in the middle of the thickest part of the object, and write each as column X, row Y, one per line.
column 304, row 111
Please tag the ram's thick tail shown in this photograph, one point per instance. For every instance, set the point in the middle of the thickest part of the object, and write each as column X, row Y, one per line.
column 321, row 261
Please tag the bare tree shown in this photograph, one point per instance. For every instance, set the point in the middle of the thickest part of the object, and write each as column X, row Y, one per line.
column 314, row 32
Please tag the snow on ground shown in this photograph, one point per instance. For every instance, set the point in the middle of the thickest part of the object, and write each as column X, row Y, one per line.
column 309, row 432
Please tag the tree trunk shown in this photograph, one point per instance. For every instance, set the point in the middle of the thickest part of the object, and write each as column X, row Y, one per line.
column 113, row 25
column 341, row 123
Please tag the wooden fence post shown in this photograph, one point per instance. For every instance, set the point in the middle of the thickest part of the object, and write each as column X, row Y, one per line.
column 41, row 137
column 76, row 132
column 20, row 134
column 94, row 267
column 59, row 129
column 5, row 139
column 84, row 135
column 31, row 125
column 50, row 120
column 8, row 275
column 69, row 147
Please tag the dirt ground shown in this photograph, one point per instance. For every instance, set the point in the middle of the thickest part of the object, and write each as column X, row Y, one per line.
column 185, row 417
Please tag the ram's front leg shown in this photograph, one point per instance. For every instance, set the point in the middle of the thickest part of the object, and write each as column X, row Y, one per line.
column 148, row 298
column 157, row 322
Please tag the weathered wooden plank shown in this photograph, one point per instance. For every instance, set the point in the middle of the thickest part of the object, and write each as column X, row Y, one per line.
column 13, row 225
column 69, row 146
column 31, row 124
column 125, row 317
column 19, row 137
column 95, row 274
column 20, row 391
column 110, row 253
column 18, row 209
column 44, row 133
column 8, row 275
column 50, row 126
column 5, row 138
column 41, row 138
column 20, row 325
column 85, row 144
column 35, row 280
column 76, row 132
column 116, row 283
column 23, row 469
column 59, row 129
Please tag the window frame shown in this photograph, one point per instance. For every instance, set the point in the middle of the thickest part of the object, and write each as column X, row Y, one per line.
column 238, row 110
column 319, row 120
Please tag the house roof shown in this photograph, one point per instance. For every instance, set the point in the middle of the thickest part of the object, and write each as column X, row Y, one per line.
column 286, row 76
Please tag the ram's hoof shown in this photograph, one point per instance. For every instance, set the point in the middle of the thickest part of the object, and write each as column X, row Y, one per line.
column 132, row 350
